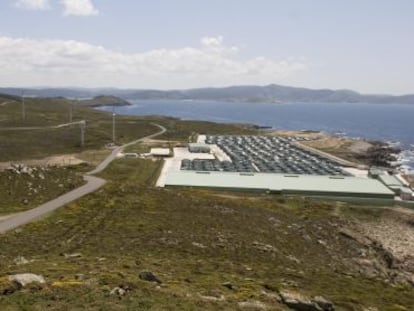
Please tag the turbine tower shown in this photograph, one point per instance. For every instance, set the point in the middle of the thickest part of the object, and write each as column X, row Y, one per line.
column 23, row 107
column 113, row 125
column 82, row 128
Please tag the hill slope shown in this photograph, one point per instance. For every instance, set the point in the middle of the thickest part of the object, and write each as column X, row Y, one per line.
column 271, row 94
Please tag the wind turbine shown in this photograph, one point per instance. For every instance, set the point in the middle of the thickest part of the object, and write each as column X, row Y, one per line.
column 82, row 128
column 70, row 112
column 23, row 107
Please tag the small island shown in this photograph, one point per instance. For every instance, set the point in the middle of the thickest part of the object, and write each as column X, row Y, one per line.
column 104, row 100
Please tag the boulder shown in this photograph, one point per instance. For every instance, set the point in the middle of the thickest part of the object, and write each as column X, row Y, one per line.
column 26, row 278
column 229, row 285
column 299, row 302
column 74, row 255
column 324, row 304
column 252, row 305
column 120, row 291
column 149, row 276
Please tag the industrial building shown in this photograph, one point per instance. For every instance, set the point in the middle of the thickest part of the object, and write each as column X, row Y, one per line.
column 285, row 184
column 198, row 148
column 263, row 154
column 160, row 152
column 273, row 165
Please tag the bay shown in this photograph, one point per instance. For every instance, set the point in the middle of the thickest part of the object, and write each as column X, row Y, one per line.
column 386, row 122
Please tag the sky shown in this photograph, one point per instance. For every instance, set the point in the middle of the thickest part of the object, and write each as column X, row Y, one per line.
column 363, row 45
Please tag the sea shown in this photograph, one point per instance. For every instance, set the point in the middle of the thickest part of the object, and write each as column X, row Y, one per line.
column 392, row 123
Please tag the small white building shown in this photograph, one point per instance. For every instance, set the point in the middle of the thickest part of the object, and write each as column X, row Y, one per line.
column 198, row 148
column 160, row 152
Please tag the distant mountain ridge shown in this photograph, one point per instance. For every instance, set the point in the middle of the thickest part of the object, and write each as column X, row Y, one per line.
column 255, row 94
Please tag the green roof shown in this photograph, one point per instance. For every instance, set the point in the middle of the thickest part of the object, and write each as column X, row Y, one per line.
column 390, row 181
column 279, row 182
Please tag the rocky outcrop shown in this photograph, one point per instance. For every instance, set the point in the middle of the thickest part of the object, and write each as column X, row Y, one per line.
column 300, row 302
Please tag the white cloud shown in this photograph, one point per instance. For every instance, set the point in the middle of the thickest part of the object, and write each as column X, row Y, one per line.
column 62, row 63
column 79, row 8
column 32, row 4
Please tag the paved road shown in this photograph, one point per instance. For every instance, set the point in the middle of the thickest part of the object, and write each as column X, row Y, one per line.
column 92, row 184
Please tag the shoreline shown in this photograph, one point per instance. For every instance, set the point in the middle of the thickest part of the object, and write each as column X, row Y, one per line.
column 404, row 157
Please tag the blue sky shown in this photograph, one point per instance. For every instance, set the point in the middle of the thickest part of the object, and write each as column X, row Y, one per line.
column 364, row 45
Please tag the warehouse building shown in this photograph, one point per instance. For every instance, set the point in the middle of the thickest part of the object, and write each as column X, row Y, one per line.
column 333, row 186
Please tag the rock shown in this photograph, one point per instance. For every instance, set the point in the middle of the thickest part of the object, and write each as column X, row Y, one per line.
column 119, row 291
column 26, row 278
column 355, row 236
column 26, row 170
column 293, row 258
column 228, row 285
column 322, row 242
column 25, row 201
column 266, row 248
column 80, row 276
column 299, row 302
column 213, row 298
column 271, row 296
column 149, row 276
column 74, row 255
column 252, row 305
column 20, row 260
column 324, row 304
column 199, row 245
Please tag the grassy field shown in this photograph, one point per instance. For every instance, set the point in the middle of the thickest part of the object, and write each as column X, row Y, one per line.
column 182, row 130
column 23, row 191
column 38, row 143
column 194, row 242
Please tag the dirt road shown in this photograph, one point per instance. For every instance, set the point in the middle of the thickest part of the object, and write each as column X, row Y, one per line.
column 92, row 184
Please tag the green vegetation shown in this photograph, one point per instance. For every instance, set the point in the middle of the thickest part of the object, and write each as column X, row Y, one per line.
column 37, row 143
column 193, row 241
column 24, row 191
column 20, row 144
column 182, row 130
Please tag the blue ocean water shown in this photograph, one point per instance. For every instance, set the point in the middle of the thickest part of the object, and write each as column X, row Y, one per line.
column 386, row 122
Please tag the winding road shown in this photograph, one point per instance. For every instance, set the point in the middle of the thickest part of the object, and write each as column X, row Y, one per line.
column 92, row 184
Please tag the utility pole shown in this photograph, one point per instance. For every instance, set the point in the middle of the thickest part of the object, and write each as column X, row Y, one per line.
column 70, row 112
column 82, row 128
column 23, row 107
column 113, row 126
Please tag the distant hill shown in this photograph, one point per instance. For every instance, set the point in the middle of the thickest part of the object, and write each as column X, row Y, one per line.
column 255, row 94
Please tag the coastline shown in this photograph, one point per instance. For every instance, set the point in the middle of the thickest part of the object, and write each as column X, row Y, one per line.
column 263, row 121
